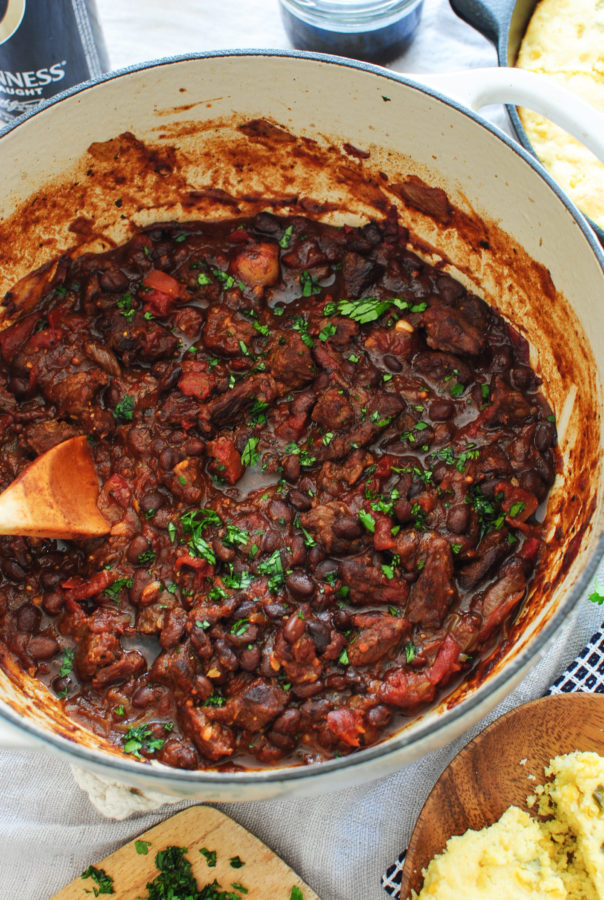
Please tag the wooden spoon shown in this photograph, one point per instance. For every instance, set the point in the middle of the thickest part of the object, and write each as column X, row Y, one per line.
column 209, row 836
column 55, row 496
column 500, row 768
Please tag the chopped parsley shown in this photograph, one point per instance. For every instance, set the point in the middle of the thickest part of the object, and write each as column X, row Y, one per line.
column 66, row 663
column 124, row 410
column 176, row 881
column 515, row 509
column 309, row 284
column 273, row 568
column 328, row 331
column 235, row 536
column 410, row 651
column 193, row 523
column 139, row 738
column 250, row 455
column 488, row 511
column 236, row 862
column 284, row 240
column 125, row 307
column 367, row 520
column 210, row 856
column 102, row 879
column 370, row 309
column 114, row 590
column 258, row 412
column 216, row 700
column 240, row 627
column 142, row 847
column 300, row 325
column 146, row 557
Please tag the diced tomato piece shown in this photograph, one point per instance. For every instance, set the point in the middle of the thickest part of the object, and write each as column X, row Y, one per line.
column 44, row 340
column 239, row 236
column 77, row 589
column 382, row 538
column 117, row 490
column 530, row 549
column 347, row 725
column 160, row 291
column 406, row 690
column 384, row 465
column 195, row 380
column 226, row 461
column 293, row 427
column 13, row 337
column 446, row 662
column 194, row 562
column 517, row 503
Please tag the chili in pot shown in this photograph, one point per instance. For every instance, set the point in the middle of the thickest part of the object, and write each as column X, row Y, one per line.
column 323, row 461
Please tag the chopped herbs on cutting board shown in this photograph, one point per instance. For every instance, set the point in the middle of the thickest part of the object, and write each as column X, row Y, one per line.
column 198, row 854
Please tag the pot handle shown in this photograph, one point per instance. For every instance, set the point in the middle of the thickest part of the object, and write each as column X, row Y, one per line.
column 487, row 18
column 476, row 88
column 13, row 738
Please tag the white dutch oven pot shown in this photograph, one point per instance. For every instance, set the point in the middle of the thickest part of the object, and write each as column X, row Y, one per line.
column 515, row 238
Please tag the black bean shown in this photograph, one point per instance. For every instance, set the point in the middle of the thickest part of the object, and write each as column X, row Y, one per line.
column 458, row 518
column 307, row 690
column 288, row 722
column 28, row 617
column 137, row 546
column 291, row 468
column 299, row 501
column 300, row 584
column 167, row 459
column 152, row 500
column 521, row 378
column 545, row 436
column 13, row 571
column 341, row 619
column 279, row 511
column 348, row 527
column 378, row 716
column 294, row 628
column 441, row 410
column 42, row 646
column 394, row 364
column 402, row 511
column 315, row 555
column 53, row 603
column 50, row 578
column 249, row 658
column 320, row 633
column 326, row 569
column 113, row 280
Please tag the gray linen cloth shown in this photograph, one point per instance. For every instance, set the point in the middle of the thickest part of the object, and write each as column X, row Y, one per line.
column 340, row 842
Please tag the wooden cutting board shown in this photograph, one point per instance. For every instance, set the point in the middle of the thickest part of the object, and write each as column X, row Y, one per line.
column 264, row 874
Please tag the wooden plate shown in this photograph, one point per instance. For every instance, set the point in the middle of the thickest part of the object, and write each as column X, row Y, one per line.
column 264, row 874
column 500, row 768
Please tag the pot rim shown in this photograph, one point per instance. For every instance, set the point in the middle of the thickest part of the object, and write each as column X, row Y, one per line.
column 451, row 718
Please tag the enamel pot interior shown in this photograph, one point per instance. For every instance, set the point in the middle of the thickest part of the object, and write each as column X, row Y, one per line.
column 206, row 137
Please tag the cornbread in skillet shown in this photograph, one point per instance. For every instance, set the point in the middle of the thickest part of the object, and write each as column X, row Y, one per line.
column 522, row 857
column 565, row 40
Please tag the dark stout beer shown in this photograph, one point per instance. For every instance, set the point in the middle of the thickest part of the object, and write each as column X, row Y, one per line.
column 46, row 46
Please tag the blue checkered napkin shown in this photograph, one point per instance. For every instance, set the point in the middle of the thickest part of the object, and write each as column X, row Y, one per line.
column 585, row 673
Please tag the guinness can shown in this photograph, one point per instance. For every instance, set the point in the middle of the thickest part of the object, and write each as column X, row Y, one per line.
column 46, row 46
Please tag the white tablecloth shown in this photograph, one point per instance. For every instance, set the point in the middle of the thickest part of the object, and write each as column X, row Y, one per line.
column 341, row 842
